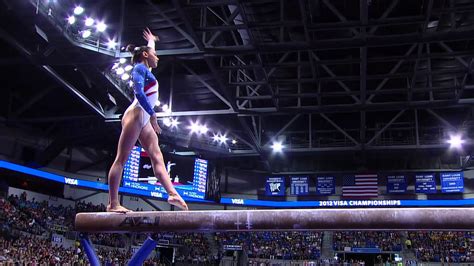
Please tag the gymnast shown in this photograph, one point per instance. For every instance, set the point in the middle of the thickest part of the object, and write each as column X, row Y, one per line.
column 139, row 122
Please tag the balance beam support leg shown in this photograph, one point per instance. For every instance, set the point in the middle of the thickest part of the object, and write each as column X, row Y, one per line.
column 145, row 250
column 89, row 250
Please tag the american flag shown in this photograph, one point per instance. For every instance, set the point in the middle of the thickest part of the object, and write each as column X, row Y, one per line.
column 361, row 186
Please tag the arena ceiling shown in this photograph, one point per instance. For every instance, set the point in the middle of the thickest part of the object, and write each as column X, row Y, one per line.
column 335, row 82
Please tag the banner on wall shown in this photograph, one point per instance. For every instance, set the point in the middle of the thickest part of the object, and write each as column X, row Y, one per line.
column 452, row 182
column 57, row 239
column 396, row 184
column 299, row 185
column 425, row 183
column 325, row 185
column 275, row 186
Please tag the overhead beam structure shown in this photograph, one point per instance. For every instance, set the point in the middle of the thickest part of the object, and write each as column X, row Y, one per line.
column 281, row 219
column 355, row 69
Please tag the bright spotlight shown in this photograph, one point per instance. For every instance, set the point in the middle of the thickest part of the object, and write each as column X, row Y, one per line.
column 277, row 147
column 222, row 139
column 86, row 34
column 119, row 71
column 234, row 141
column 128, row 67
column 456, row 141
column 165, row 107
column 71, row 20
column 111, row 44
column 125, row 76
column 122, row 60
column 89, row 22
column 78, row 10
column 101, row 27
column 203, row 129
column 194, row 127
column 216, row 137
column 167, row 121
column 174, row 122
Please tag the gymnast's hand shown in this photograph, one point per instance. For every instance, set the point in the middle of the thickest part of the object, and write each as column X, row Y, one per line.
column 148, row 36
column 154, row 124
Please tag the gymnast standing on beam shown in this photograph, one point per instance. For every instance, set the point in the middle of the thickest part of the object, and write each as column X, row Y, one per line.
column 139, row 122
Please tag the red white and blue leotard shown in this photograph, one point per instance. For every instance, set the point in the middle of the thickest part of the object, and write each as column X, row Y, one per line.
column 145, row 87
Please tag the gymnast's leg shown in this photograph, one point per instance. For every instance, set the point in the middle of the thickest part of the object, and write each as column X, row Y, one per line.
column 149, row 141
column 131, row 127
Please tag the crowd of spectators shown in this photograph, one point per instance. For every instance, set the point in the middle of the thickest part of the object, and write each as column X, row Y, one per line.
column 46, row 214
column 35, row 250
column 26, row 227
column 275, row 245
column 111, row 240
column 195, row 248
column 43, row 213
column 39, row 220
column 446, row 247
column 13, row 219
column 39, row 217
column 383, row 240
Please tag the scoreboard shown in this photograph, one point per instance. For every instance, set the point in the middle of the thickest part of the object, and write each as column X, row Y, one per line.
column 188, row 174
column 200, row 176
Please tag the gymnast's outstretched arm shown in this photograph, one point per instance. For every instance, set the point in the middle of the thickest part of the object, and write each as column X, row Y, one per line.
column 150, row 38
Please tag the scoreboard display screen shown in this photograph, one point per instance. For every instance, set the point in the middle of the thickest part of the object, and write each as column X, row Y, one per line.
column 188, row 174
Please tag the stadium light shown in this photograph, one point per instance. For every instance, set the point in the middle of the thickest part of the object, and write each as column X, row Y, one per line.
column 167, row 121
column 101, row 26
column 111, row 44
column 234, row 141
column 203, row 129
column 78, row 10
column 174, row 122
column 119, row 71
column 71, row 20
column 86, row 34
column 456, row 141
column 89, row 22
column 216, row 137
column 125, row 76
column 194, row 127
column 277, row 147
column 223, row 139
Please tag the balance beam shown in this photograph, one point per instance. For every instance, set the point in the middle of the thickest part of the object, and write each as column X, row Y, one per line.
column 278, row 220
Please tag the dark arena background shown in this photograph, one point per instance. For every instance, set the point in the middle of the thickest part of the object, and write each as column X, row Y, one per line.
column 299, row 132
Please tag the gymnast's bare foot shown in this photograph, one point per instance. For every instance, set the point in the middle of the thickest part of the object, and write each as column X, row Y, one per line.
column 176, row 200
column 117, row 208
